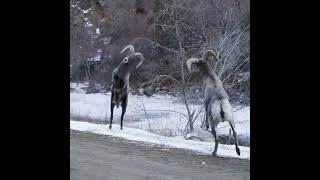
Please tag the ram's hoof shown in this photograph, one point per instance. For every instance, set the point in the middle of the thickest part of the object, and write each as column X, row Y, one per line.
column 214, row 153
column 238, row 151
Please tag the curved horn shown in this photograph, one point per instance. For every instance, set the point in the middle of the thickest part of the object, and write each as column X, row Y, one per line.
column 141, row 57
column 190, row 62
column 206, row 54
column 130, row 47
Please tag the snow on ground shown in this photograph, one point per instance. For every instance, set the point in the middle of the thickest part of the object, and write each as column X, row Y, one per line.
column 88, row 24
column 164, row 113
column 78, row 88
column 98, row 31
column 134, row 134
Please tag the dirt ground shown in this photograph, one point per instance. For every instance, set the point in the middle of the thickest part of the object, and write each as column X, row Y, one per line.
column 94, row 156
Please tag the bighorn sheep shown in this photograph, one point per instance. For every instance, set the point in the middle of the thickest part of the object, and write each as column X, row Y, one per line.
column 217, row 106
column 120, row 81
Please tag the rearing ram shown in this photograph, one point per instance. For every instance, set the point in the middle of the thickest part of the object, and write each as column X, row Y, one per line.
column 120, row 81
column 217, row 105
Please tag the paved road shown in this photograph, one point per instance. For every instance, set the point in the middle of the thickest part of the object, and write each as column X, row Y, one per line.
column 95, row 156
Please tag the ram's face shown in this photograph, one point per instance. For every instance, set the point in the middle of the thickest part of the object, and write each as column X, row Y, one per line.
column 199, row 65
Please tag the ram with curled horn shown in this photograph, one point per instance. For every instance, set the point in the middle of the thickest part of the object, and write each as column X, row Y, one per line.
column 120, row 81
column 217, row 105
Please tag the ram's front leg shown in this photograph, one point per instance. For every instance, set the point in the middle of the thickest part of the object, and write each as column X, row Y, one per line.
column 112, row 104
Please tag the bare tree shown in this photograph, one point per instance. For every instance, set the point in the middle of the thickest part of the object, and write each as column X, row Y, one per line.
column 176, row 29
column 190, row 27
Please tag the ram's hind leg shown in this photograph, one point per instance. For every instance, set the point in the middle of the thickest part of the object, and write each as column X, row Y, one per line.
column 112, row 104
column 215, row 135
column 207, row 120
column 235, row 138
column 124, row 108
column 207, row 107
column 216, row 141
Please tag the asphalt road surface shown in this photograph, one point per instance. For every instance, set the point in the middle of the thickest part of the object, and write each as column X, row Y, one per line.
column 94, row 156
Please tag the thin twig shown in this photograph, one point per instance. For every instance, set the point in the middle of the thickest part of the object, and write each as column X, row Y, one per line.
column 157, row 44
column 240, row 108
column 167, row 111
column 234, row 70
column 145, row 112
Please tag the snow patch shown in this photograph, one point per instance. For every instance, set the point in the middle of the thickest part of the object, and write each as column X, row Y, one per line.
column 98, row 31
column 88, row 24
column 106, row 40
column 78, row 87
column 96, row 58
column 173, row 142
column 86, row 11
column 164, row 114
